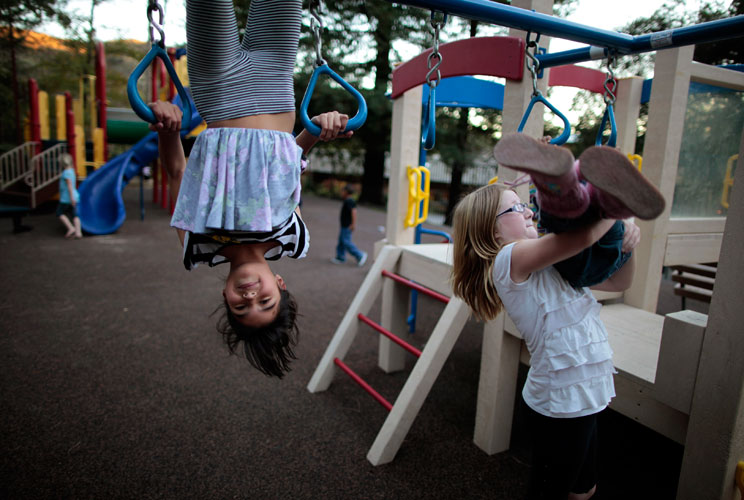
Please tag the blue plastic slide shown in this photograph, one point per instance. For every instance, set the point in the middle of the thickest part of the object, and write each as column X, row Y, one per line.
column 101, row 207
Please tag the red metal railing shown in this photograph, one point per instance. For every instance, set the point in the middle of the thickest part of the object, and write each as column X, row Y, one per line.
column 405, row 345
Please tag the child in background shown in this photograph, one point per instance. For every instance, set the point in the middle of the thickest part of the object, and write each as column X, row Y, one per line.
column 69, row 198
column 348, row 218
column 237, row 199
column 499, row 262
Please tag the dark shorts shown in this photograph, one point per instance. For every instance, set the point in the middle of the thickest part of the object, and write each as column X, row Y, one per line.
column 67, row 209
column 594, row 264
column 564, row 455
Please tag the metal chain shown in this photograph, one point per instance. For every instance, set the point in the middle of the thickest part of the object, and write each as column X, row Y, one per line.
column 316, row 24
column 610, row 84
column 432, row 66
column 153, row 6
column 534, row 66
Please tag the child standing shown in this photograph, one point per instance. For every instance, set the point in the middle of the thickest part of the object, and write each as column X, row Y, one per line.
column 69, row 198
column 348, row 220
column 237, row 199
column 499, row 262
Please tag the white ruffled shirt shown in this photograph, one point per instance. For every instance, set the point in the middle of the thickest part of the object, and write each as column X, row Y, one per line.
column 571, row 367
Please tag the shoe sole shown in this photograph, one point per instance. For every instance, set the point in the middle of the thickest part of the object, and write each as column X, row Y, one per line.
column 522, row 152
column 611, row 171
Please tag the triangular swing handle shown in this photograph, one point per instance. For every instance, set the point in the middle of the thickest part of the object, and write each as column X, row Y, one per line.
column 428, row 126
column 138, row 105
column 609, row 115
column 354, row 123
column 561, row 139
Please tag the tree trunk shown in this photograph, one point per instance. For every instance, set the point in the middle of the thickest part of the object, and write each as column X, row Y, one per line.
column 376, row 132
column 459, row 166
column 14, row 85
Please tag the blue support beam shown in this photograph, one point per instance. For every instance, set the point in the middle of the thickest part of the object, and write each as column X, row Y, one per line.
column 598, row 39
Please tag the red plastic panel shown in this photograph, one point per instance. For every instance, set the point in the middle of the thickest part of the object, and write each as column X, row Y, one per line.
column 500, row 56
column 579, row 77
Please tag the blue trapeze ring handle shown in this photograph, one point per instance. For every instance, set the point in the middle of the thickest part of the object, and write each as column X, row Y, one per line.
column 353, row 124
column 428, row 127
column 609, row 114
column 561, row 139
column 138, row 105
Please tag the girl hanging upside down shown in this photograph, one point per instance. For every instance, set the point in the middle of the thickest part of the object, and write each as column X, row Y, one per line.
column 499, row 262
column 238, row 196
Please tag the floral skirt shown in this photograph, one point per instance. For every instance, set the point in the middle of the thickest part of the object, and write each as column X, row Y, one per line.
column 239, row 179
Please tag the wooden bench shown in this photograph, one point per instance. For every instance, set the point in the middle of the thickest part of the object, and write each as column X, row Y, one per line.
column 694, row 281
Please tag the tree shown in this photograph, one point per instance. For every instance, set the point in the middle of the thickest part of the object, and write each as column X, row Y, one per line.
column 16, row 18
column 672, row 14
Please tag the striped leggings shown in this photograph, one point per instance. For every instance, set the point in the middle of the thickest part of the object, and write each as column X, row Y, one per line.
column 231, row 79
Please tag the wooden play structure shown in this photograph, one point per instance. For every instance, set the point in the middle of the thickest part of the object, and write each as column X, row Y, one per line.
column 681, row 375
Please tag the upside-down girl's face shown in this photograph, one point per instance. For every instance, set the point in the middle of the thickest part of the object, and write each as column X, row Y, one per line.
column 252, row 293
column 514, row 225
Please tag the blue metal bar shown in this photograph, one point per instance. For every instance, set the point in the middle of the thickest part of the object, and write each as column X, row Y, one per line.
column 514, row 17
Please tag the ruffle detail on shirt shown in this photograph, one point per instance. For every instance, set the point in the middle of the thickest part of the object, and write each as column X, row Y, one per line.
column 592, row 394
column 567, row 314
column 581, row 344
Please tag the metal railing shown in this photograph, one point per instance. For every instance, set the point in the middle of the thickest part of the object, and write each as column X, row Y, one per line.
column 45, row 169
column 16, row 164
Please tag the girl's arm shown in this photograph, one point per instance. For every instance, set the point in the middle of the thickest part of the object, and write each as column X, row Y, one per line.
column 168, row 127
column 331, row 124
column 71, row 190
column 529, row 256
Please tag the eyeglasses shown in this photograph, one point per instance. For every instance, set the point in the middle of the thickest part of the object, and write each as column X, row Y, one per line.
column 518, row 207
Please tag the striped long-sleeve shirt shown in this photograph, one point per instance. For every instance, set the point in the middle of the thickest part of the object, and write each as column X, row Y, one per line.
column 231, row 79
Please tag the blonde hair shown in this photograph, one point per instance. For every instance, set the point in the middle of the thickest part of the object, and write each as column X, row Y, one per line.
column 474, row 250
column 65, row 159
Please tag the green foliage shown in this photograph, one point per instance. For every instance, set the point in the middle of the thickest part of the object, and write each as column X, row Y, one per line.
column 672, row 14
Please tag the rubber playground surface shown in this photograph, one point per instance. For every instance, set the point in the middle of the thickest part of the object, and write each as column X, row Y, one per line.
column 115, row 384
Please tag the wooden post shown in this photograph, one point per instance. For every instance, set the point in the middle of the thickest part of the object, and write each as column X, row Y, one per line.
column 627, row 109
column 405, row 141
column 715, row 433
column 666, row 120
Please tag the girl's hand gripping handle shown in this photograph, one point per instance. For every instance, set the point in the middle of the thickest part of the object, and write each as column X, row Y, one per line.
column 138, row 105
column 353, row 124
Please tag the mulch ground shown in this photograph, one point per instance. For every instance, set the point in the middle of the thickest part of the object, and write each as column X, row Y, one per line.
column 115, row 384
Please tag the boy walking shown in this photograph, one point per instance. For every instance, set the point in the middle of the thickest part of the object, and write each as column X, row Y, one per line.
column 348, row 223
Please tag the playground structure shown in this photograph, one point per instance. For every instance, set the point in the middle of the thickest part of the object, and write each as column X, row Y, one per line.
column 679, row 375
column 31, row 171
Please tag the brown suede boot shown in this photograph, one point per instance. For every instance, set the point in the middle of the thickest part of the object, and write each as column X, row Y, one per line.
column 552, row 171
column 616, row 186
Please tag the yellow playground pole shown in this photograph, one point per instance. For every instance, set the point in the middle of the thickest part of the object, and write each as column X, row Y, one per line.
column 59, row 108
column 44, row 114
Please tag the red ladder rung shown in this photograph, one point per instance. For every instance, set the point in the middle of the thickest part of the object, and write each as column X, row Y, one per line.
column 426, row 291
column 364, row 385
column 405, row 345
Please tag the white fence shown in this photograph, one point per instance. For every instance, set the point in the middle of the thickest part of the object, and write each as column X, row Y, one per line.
column 342, row 163
column 45, row 169
column 16, row 164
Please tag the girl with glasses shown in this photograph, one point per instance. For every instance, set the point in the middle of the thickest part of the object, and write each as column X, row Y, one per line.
column 499, row 262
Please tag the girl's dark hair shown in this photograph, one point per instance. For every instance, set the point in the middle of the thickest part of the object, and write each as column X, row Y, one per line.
column 268, row 348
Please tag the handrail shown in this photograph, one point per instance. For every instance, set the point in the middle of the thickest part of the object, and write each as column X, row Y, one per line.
column 354, row 123
column 16, row 163
column 45, row 169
